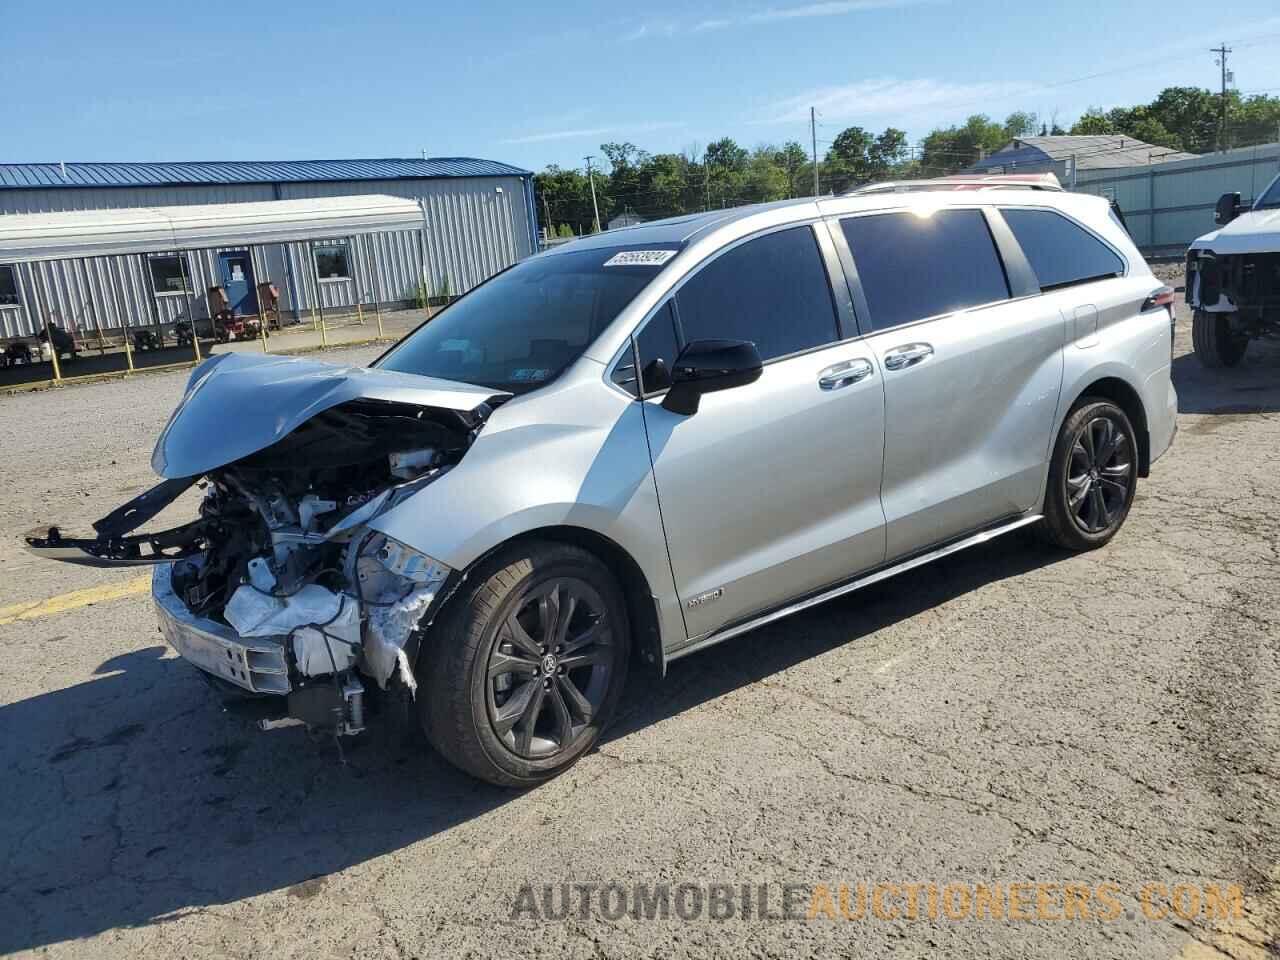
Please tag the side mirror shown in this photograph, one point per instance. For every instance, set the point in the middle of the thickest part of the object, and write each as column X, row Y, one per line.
column 705, row 366
column 1228, row 208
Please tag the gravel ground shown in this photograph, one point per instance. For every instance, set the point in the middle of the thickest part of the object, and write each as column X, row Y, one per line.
column 1009, row 715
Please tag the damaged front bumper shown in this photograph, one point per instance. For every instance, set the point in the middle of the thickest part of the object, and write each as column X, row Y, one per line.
column 259, row 666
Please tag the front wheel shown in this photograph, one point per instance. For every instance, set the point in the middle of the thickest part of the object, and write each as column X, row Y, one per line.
column 1215, row 343
column 1092, row 478
column 525, row 666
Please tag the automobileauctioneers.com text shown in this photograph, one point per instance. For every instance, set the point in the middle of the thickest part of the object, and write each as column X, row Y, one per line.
column 870, row 901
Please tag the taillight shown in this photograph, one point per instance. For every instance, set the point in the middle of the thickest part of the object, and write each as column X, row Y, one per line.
column 1160, row 298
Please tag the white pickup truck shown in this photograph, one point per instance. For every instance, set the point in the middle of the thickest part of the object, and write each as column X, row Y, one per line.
column 1233, row 278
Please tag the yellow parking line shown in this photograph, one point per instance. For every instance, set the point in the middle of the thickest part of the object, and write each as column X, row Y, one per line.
column 76, row 598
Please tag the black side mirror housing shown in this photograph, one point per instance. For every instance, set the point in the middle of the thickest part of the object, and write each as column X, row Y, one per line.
column 705, row 366
column 1228, row 208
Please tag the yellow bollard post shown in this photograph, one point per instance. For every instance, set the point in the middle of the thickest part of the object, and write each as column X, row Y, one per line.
column 128, row 350
column 53, row 351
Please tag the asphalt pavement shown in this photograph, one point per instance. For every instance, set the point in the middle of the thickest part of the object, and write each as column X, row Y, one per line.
column 1012, row 717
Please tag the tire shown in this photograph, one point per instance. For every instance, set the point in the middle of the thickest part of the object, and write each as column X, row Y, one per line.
column 1215, row 344
column 1091, row 483
column 480, row 680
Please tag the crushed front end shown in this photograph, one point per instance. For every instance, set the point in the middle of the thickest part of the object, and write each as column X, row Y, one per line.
column 1244, row 284
column 280, row 591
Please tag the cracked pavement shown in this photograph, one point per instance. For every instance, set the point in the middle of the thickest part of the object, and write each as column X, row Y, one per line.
column 1009, row 714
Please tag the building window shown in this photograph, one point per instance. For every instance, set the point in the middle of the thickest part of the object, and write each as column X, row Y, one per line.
column 167, row 274
column 331, row 260
column 8, row 286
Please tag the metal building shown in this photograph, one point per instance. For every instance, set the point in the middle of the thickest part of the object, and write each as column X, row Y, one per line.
column 1168, row 205
column 1072, row 157
column 479, row 215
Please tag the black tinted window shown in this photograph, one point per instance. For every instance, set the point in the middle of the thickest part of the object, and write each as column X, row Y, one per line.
column 914, row 266
column 1060, row 252
column 772, row 291
column 657, row 345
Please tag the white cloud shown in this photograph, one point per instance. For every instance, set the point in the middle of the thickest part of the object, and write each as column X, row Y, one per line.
column 883, row 97
column 832, row 8
column 589, row 132
column 823, row 8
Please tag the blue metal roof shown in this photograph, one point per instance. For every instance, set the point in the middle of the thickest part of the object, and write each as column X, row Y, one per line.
column 45, row 175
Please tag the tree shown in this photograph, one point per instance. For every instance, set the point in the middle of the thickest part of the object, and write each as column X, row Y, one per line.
column 796, row 165
column 847, row 161
column 1019, row 124
column 567, row 195
column 1093, row 122
column 887, row 153
column 955, row 148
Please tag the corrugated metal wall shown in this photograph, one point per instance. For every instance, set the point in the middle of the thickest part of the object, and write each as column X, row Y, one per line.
column 476, row 226
column 1168, row 205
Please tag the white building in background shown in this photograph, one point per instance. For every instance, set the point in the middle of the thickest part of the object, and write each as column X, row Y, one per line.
column 479, row 215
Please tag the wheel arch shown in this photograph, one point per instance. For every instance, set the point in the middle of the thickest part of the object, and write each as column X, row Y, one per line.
column 1123, row 395
column 642, row 607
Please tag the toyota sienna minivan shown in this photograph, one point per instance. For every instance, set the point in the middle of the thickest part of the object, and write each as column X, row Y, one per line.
column 643, row 443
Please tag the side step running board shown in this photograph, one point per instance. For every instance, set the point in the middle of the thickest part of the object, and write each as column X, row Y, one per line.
column 857, row 584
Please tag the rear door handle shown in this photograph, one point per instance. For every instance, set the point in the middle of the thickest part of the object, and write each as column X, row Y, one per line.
column 844, row 374
column 900, row 358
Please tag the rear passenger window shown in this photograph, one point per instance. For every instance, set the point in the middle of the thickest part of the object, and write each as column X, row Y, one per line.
column 772, row 291
column 913, row 266
column 1060, row 252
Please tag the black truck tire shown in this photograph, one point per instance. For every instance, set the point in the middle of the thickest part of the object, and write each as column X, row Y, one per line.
column 1215, row 343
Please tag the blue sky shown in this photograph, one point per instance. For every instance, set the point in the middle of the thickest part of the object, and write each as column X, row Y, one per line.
column 534, row 84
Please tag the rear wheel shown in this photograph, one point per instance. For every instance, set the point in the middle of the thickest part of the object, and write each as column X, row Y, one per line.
column 526, row 666
column 1092, row 478
column 1215, row 343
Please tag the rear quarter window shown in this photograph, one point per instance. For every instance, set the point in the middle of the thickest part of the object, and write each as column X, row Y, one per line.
column 1061, row 253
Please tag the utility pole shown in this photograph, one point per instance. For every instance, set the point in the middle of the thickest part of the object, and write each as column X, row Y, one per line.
column 813, row 136
column 594, row 205
column 1227, row 76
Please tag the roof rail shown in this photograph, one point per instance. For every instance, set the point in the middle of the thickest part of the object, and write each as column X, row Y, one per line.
column 995, row 181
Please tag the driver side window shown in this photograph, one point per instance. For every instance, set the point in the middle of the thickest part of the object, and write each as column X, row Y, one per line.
column 772, row 290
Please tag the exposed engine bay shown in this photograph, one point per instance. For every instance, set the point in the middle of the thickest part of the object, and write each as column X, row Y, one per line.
column 279, row 586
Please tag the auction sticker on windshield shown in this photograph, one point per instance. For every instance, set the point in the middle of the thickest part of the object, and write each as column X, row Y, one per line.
column 640, row 258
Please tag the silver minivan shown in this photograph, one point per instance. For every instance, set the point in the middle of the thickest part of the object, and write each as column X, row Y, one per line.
column 643, row 443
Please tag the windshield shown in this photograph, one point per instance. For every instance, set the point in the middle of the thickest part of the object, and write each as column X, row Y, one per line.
column 1271, row 198
column 521, row 329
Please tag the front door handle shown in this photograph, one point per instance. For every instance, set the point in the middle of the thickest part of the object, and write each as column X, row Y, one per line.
column 899, row 358
column 843, row 374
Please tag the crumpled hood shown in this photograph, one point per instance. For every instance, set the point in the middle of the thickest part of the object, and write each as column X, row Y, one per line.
column 1257, row 231
column 237, row 404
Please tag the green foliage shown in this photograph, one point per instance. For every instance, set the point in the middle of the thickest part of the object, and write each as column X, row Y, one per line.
column 1189, row 119
column 955, row 148
column 727, row 174
column 1020, row 124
